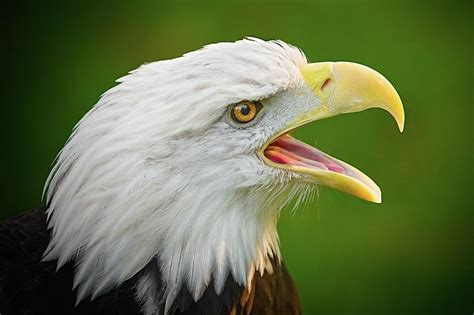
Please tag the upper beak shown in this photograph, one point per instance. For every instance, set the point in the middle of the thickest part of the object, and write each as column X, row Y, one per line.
column 339, row 87
column 346, row 87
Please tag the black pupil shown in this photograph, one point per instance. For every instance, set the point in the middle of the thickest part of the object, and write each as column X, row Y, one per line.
column 244, row 109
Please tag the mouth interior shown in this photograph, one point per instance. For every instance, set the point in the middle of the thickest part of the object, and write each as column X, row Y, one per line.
column 288, row 150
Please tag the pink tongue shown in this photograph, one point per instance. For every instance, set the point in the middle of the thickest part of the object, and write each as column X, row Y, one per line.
column 287, row 150
column 282, row 156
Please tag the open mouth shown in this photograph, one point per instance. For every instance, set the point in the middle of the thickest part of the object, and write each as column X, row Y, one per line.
column 338, row 88
column 288, row 153
column 288, row 150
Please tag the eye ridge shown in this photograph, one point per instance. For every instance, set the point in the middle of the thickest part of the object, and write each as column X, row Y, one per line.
column 245, row 111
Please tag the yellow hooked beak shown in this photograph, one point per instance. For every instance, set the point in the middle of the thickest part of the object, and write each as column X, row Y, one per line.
column 340, row 87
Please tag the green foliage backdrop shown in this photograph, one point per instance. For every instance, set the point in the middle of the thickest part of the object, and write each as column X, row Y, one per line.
column 413, row 254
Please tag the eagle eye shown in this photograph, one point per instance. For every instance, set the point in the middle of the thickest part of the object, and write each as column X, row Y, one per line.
column 245, row 111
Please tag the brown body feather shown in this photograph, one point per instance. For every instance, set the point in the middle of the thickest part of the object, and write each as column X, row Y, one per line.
column 270, row 294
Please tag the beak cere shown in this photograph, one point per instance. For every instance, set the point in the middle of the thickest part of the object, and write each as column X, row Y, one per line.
column 340, row 88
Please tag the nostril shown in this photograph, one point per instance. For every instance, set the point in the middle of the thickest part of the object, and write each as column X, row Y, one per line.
column 325, row 85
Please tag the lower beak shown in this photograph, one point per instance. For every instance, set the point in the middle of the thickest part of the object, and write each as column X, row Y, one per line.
column 339, row 87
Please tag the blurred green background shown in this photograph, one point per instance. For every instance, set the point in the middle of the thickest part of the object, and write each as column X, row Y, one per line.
column 413, row 254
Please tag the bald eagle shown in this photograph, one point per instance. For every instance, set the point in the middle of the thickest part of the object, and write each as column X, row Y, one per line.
column 166, row 196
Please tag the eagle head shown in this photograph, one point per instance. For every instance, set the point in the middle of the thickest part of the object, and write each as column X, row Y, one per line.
column 188, row 162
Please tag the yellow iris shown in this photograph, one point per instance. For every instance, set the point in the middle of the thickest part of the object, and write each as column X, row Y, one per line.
column 244, row 112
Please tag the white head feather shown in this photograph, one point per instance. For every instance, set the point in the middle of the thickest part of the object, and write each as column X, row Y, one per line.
column 155, row 169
